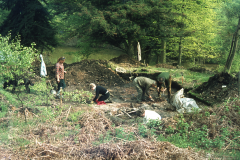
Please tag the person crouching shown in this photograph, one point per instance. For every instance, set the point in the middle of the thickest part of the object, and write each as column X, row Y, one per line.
column 105, row 95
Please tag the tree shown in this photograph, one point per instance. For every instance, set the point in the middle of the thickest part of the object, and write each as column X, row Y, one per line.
column 118, row 23
column 15, row 60
column 31, row 20
column 232, row 12
column 3, row 15
column 198, row 31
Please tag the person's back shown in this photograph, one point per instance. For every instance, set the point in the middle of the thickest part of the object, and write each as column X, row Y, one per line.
column 165, row 76
column 164, row 81
column 144, row 81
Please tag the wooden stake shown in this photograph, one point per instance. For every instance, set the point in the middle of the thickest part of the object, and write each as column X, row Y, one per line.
column 60, row 96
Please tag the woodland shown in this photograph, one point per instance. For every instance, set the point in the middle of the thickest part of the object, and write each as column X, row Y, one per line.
column 38, row 125
column 194, row 30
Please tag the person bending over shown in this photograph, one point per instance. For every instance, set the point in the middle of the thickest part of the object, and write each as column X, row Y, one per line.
column 105, row 95
column 164, row 82
column 142, row 85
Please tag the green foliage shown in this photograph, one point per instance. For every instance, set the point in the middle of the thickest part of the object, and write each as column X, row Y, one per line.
column 104, row 138
column 30, row 20
column 10, row 97
column 74, row 117
column 3, row 15
column 79, row 96
column 42, row 89
column 122, row 135
column 169, row 130
column 144, row 131
column 156, row 124
column 118, row 134
column 15, row 59
column 182, row 125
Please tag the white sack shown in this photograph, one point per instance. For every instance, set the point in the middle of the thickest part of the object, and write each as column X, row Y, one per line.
column 139, row 52
column 121, row 70
column 151, row 115
column 183, row 105
column 43, row 71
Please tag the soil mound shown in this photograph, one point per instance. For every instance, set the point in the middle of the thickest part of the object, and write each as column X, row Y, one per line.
column 218, row 88
column 126, row 59
column 81, row 74
column 200, row 69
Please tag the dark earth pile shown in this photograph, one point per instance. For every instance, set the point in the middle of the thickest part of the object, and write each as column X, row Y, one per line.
column 218, row 89
column 81, row 74
column 200, row 69
column 126, row 59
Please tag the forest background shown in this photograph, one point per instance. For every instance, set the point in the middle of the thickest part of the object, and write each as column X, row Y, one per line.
column 185, row 31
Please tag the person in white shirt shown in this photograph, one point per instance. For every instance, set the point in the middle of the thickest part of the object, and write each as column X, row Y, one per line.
column 148, row 114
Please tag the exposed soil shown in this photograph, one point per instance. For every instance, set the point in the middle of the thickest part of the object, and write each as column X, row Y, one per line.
column 80, row 75
column 126, row 61
column 219, row 88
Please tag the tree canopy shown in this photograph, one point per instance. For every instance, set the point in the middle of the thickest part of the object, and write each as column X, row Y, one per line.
column 151, row 22
column 30, row 20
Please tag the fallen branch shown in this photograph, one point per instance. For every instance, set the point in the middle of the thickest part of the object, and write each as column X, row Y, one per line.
column 125, row 113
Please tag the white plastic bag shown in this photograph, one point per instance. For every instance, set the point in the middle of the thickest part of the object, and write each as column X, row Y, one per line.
column 183, row 105
column 151, row 115
column 43, row 71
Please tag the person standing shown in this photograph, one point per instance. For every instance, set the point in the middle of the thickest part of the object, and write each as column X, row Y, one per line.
column 105, row 95
column 60, row 74
column 164, row 81
column 142, row 85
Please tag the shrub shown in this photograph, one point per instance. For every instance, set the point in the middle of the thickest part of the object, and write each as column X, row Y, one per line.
column 15, row 60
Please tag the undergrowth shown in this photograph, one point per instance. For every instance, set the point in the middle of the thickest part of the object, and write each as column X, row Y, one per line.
column 213, row 129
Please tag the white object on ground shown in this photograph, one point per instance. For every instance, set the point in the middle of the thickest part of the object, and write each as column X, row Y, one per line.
column 43, row 71
column 151, row 115
column 183, row 105
column 121, row 70
column 53, row 91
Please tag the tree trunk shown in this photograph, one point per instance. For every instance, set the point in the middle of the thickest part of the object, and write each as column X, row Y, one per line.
column 158, row 57
column 180, row 52
column 129, row 47
column 233, row 49
column 147, row 54
column 135, row 51
column 163, row 52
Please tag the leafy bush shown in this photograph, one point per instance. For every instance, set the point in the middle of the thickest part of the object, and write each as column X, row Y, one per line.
column 15, row 59
column 79, row 96
column 74, row 117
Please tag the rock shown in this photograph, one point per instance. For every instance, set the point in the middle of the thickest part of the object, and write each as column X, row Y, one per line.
column 156, row 105
column 53, row 91
column 145, row 106
column 121, row 70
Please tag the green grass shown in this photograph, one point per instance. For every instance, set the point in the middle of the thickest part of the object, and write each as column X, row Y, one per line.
column 103, row 54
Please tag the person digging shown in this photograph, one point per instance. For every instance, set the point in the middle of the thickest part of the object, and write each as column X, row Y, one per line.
column 105, row 95
column 164, row 81
column 142, row 85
